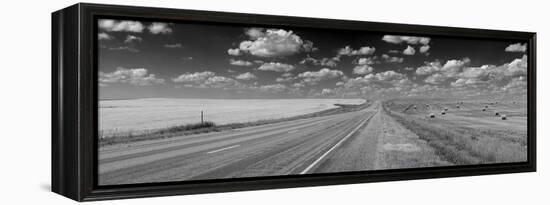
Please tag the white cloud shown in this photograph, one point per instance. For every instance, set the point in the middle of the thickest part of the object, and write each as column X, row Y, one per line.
column 197, row 77
column 365, row 61
column 221, row 82
column 133, row 76
column 328, row 92
column 348, row 51
column 517, row 47
column 132, row 38
column 392, row 59
column 328, row 62
column 285, row 77
column 407, row 39
column 104, row 36
column 363, row 69
column 276, row 66
column 234, row 52
column 389, row 75
column 409, row 51
column 125, row 48
column 246, row 76
column 272, row 43
column 437, row 78
column 314, row 77
column 118, row 26
column 240, row 62
column 429, row 68
column 175, row 45
column 159, row 28
column 274, row 88
column 424, row 49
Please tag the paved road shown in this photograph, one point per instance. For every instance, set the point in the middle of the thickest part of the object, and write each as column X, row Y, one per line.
column 314, row 145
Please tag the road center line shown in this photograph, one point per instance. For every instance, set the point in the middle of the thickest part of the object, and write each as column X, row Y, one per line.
column 222, row 149
column 336, row 145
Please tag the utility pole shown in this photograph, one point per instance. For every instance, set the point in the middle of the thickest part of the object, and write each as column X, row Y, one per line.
column 202, row 118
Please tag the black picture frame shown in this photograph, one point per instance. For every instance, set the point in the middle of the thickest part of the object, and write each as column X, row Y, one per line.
column 74, row 104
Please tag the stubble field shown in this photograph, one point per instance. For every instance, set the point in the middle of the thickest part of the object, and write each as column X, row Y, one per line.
column 135, row 115
column 467, row 132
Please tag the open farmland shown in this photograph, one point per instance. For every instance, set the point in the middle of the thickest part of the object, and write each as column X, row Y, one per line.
column 467, row 132
column 137, row 115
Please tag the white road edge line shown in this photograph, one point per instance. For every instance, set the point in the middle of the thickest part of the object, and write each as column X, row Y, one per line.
column 222, row 149
column 336, row 145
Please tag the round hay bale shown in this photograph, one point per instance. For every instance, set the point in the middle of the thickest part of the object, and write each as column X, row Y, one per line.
column 432, row 115
column 457, row 106
column 442, row 112
column 503, row 117
column 486, row 106
column 445, row 109
column 497, row 114
column 484, row 109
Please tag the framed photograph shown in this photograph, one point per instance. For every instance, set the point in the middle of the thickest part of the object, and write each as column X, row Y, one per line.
column 154, row 102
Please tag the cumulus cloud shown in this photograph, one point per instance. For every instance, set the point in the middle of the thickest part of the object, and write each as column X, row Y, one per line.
column 328, row 92
column 380, row 80
column 196, row 77
column 132, row 39
column 365, row 61
column 272, row 43
column 392, row 59
column 348, row 51
column 234, row 52
column 429, row 68
column 207, row 79
column 314, row 77
column 424, row 49
column 409, row 51
column 274, row 88
column 276, row 66
column 240, row 62
column 328, row 62
column 406, row 39
column 362, row 69
column 159, row 28
column 104, row 36
column 246, row 76
column 285, row 77
column 438, row 73
column 517, row 47
column 389, row 75
column 133, row 76
column 437, row 78
column 119, row 26
column 221, row 82
column 125, row 48
column 175, row 45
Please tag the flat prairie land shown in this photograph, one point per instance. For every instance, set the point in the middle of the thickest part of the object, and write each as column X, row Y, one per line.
column 135, row 115
column 469, row 132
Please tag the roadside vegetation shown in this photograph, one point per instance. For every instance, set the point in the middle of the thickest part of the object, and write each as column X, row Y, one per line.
column 464, row 145
column 114, row 138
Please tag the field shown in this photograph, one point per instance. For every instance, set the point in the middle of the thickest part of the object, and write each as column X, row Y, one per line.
column 136, row 115
column 469, row 132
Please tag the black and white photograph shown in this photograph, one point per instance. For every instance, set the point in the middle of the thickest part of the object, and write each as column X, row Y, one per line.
column 189, row 101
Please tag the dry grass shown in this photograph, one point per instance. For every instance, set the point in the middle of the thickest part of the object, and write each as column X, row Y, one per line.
column 464, row 145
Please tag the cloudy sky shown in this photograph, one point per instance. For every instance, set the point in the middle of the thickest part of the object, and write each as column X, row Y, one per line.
column 140, row 59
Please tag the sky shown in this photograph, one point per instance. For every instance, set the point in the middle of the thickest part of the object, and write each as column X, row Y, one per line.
column 141, row 59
